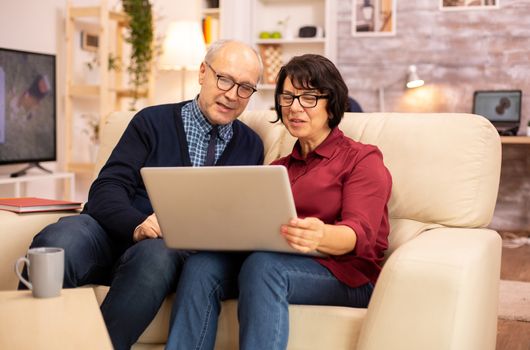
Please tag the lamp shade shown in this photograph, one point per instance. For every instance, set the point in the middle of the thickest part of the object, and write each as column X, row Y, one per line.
column 413, row 80
column 183, row 46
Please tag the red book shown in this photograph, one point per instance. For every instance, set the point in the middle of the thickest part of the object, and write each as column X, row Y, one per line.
column 33, row 204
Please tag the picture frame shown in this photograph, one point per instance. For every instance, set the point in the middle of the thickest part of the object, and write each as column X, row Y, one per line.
column 373, row 18
column 89, row 41
column 464, row 5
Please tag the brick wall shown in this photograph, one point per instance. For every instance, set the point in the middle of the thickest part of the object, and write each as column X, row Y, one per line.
column 456, row 53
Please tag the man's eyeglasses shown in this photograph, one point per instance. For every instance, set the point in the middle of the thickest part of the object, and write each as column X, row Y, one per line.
column 226, row 84
column 305, row 100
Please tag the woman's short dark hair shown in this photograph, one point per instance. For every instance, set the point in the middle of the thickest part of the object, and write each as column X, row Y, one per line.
column 312, row 71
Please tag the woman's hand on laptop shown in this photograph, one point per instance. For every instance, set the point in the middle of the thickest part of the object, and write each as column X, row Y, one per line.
column 304, row 235
column 312, row 234
column 147, row 229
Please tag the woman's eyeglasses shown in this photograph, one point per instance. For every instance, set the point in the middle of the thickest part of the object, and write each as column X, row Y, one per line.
column 305, row 100
column 226, row 84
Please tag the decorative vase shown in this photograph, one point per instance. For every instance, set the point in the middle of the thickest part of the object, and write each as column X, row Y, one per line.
column 287, row 32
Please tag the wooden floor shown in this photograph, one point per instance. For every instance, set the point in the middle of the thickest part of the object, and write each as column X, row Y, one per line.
column 515, row 266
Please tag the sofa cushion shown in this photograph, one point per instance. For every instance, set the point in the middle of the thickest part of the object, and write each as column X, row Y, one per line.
column 273, row 135
column 113, row 127
column 17, row 232
column 403, row 230
column 343, row 325
column 456, row 149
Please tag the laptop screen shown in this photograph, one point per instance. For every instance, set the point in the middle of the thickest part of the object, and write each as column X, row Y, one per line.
column 502, row 106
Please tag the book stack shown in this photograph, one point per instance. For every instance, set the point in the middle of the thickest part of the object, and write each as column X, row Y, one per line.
column 210, row 29
column 33, row 204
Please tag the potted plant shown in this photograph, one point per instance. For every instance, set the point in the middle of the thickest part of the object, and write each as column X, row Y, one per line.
column 141, row 38
column 285, row 30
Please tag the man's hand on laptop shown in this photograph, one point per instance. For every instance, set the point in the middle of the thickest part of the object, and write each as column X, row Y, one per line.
column 147, row 229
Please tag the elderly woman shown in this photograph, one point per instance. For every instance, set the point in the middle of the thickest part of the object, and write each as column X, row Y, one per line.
column 341, row 189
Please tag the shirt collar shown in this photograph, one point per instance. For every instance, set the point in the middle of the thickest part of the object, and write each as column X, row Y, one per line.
column 325, row 149
column 225, row 131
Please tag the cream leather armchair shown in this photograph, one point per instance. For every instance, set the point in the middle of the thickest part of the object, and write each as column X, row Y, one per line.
column 439, row 285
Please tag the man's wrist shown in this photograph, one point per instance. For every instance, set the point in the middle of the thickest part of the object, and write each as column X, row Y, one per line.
column 136, row 233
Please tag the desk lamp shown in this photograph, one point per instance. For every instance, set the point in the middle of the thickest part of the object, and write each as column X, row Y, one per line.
column 413, row 81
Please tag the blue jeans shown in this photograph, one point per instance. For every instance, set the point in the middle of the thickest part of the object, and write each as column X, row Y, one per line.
column 140, row 275
column 265, row 283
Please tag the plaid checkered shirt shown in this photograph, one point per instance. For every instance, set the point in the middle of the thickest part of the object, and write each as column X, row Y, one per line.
column 197, row 129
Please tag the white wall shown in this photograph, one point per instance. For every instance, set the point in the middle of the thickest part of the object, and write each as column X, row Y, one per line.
column 33, row 25
column 38, row 25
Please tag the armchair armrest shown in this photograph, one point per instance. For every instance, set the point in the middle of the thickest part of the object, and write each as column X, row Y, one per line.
column 439, row 291
column 16, row 234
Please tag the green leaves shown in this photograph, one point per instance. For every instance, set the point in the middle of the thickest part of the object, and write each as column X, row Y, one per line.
column 141, row 36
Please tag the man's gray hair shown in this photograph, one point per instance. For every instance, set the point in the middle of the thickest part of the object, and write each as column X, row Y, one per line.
column 216, row 46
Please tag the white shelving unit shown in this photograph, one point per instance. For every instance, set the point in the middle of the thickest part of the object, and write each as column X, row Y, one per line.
column 107, row 91
column 245, row 19
column 211, row 11
column 214, row 15
column 291, row 41
column 287, row 17
column 19, row 183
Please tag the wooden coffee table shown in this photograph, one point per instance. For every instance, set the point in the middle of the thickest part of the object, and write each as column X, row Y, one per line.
column 70, row 321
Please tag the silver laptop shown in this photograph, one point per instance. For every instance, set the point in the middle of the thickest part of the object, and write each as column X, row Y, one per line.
column 231, row 208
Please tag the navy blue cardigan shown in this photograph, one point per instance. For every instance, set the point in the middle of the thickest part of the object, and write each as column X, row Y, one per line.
column 155, row 137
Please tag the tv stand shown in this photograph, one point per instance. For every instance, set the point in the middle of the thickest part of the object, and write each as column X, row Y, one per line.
column 20, row 184
column 23, row 172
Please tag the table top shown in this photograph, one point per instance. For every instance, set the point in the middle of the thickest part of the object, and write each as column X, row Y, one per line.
column 515, row 140
column 70, row 321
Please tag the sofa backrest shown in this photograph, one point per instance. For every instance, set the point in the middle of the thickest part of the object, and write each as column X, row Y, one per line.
column 445, row 166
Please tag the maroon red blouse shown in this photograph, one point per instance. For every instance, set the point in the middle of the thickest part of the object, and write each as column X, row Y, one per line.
column 344, row 182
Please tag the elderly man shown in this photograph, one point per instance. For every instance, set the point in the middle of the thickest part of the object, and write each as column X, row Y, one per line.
column 115, row 240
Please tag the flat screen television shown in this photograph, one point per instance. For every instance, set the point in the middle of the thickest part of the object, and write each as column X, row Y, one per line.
column 27, row 108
